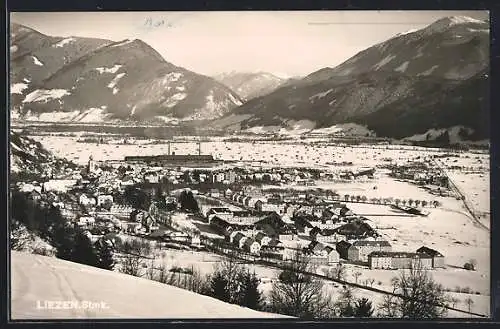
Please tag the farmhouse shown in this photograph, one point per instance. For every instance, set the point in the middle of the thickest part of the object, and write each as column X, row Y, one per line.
column 437, row 257
column 360, row 250
column 273, row 250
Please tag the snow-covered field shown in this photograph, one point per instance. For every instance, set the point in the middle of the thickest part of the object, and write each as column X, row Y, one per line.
column 272, row 152
column 37, row 280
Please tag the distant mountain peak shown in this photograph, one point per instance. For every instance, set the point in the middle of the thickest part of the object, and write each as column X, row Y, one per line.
column 445, row 23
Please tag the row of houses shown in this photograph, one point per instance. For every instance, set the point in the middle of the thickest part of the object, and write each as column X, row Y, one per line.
column 268, row 248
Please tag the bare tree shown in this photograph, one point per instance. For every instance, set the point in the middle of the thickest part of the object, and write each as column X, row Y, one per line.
column 418, row 296
column 300, row 294
column 338, row 272
column 454, row 301
column 469, row 302
column 131, row 265
column 356, row 275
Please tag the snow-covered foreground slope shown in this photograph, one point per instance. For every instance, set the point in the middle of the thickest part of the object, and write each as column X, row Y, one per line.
column 39, row 278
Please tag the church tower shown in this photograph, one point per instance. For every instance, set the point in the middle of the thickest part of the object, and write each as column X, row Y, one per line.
column 92, row 166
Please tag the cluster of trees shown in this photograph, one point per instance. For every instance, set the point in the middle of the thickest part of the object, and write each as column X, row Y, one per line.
column 234, row 283
column 71, row 242
column 188, row 201
column 409, row 202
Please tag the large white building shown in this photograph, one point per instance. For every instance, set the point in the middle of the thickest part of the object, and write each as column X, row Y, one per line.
column 360, row 250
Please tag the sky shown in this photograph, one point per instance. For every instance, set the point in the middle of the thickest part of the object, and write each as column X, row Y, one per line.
column 287, row 44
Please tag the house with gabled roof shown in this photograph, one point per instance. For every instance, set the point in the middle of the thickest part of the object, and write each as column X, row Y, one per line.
column 437, row 257
column 342, row 248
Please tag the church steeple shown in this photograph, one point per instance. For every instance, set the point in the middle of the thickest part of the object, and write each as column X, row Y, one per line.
column 91, row 165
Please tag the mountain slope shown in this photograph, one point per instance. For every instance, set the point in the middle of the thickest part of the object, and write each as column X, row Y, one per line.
column 28, row 157
column 432, row 78
column 250, row 85
column 124, row 296
column 84, row 79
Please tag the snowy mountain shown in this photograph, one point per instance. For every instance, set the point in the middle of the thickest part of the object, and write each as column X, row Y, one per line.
column 250, row 85
column 91, row 80
column 40, row 278
column 433, row 78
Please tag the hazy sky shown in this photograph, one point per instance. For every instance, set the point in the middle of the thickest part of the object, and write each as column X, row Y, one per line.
column 283, row 43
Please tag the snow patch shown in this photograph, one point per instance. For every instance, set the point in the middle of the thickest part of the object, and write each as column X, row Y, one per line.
column 18, row 88
column 320, row 95
column 180, row 88
column 132, row 112
column 479, row 30
column 172, row 77
column 407, row 32
column 126, row 41
column 63, row 42
column 464, row 20
column 13, row 48
column 113, row 69
column 429, row 71
column 178, row 96
column 112, row 84
column 44, row 95
column 402, row 68
column 36, row 61
column 91, row 115
column 235, row 100
column 384, row 61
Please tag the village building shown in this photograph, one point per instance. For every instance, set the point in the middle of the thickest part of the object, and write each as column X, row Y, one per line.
column 87, row 200
column 214, row 193
column 262, row 239
column 251, row 246
column 221, row 212
column 359, row 250
column 230, row 176
column 263, row 206
column 398, row 260
column 437, row 257
column 273, row 250
column 104, row 199
column 239, row 240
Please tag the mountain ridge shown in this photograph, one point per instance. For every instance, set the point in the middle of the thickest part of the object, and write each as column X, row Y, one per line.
column 450, row 56
column 128, row 80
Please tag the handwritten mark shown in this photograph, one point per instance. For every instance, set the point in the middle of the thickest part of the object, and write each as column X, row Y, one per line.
column 155, row 23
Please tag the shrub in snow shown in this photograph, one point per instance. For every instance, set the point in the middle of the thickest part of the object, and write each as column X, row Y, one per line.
column 469, row 267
